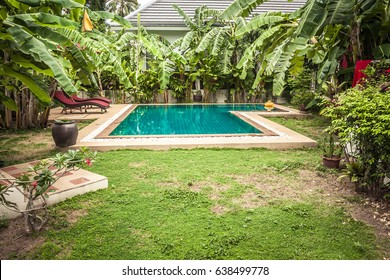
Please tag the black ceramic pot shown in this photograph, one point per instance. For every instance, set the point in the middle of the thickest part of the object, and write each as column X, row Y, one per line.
column 197, row 98
column 64, row 133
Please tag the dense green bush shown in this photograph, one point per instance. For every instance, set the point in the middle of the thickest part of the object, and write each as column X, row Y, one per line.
column 303, row 99
column 361, row 117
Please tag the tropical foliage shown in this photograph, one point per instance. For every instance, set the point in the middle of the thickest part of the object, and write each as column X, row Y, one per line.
column 360, row 116
column 42, row 47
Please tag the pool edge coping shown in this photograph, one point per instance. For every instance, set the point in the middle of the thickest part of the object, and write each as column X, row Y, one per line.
column 289, row 139
column 284, row 111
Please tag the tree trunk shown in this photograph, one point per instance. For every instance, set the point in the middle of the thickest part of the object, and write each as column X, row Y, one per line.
column 20, row 109
column 46, row 111
column 2, row 122
column 355, row 42
column 8, row 113
column 25, row 108
column 29, row 114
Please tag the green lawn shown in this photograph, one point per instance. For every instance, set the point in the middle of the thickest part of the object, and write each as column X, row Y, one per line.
column 206, row 204
column 210, row 204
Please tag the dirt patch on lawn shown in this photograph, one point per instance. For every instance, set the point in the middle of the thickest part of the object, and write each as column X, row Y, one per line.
column 260, row 190
column 219, row 209
column 137, row 164
column 74, row 216
column 15, row 243
column 264, row 189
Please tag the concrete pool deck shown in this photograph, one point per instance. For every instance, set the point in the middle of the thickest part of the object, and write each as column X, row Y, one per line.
column 281, row 138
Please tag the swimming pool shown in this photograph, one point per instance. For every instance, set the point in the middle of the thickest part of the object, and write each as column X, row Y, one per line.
column 199, row 119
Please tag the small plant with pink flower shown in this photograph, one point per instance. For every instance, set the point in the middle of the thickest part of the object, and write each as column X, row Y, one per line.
column 35, row 184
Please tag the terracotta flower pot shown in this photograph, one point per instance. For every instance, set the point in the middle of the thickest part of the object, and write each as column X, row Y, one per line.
column 331, row 162
column 64, row 133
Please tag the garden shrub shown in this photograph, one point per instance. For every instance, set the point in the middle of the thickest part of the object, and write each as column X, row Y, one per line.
column 361, row 117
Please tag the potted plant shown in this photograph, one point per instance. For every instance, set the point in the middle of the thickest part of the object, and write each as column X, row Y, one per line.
column 331, row 151
column 197, row 96
column 302, row 99
column 64, row 132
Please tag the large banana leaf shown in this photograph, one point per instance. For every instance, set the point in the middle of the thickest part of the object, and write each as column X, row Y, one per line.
column 382, row 51
column 284, row 63
column 240, row 23
column 187, row 20
column 8, row 102
column 257, row 44
column 258, row 22
column 225, row 63
column 214, row 40
column 125, row 39
column 45, row 19
column 329, row 66
column 187, row 40
column 62, row 3
column 176, row 56
column 38, row 89
column 241, row 8
column 152, row 47
column 92, row 47
column 110, row 16
column 38, row 67
column 52, row 38
column 340, row 12
column 164, row 74
column 35, row 48
column 313, row 18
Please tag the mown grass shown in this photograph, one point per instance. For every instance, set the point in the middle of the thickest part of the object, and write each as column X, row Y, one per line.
column 311, row 126
column 17, row 146
column 209, row 204
column 160, row 205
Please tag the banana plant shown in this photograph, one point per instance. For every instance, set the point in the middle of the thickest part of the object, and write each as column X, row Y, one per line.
column 360, row 27
column 39, row 40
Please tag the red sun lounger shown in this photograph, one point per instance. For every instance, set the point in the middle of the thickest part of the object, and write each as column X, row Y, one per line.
column 69, row 104
column 79, row 99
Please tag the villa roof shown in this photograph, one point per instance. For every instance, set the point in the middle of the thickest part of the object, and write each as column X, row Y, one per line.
column 160, row 13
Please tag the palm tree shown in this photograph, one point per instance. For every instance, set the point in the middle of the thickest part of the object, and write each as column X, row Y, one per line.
column 121, row 7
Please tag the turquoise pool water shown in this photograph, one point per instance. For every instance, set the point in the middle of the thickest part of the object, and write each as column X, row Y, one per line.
column 186, row 120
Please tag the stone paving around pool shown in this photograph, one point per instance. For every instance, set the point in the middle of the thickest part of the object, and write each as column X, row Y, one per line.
column 72, row 183
column 90, row 136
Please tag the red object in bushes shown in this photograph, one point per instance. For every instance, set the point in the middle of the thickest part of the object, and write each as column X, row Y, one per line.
column 358, row 74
